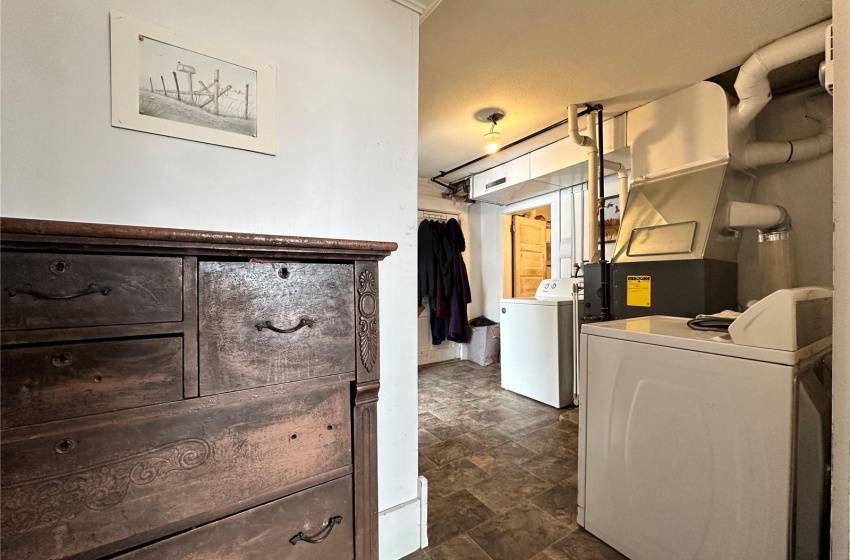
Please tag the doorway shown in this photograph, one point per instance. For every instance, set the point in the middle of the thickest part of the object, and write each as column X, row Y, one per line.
column 528, row 256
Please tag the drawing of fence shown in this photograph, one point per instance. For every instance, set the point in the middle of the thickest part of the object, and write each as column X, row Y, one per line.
column 206, row 95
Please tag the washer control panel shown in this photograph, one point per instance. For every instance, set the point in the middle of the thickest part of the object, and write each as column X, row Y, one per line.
column 557, row 288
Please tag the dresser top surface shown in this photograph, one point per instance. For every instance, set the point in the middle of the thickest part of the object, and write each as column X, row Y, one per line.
column 17, row 231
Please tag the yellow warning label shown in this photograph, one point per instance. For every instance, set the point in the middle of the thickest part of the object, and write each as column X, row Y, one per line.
column 639, row 291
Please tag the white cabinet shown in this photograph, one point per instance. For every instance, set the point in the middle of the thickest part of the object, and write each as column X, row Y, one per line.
column 556, row 163
column 503, row 176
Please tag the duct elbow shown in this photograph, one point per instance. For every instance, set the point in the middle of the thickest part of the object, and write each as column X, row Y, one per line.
column 783, row 224
column 752, row 84
column 578, row 138
column 764, row 153
column 759, row 153
column 812, row 147
column 746, row 110
column 614, row 166
column 622, row 179
column 818, row 144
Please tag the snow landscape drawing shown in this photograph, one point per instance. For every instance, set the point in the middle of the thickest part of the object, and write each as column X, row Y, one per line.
column 185, row 86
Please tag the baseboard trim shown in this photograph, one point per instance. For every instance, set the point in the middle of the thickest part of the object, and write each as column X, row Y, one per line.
column 403, row 529
column 423, row 511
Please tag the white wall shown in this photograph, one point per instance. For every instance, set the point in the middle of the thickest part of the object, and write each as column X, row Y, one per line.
column 841, row 261
column 804, row 188
column 486, row 222
column 346, row 163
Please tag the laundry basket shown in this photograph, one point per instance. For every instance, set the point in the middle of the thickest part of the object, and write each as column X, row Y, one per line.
column 484, row 341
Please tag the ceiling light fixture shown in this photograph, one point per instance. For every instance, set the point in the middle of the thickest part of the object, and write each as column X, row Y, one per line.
column 492, row 137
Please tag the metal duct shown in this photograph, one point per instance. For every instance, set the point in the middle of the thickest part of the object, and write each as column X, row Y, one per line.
column 683, row 215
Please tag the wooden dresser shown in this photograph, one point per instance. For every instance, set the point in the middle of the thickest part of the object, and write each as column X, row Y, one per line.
column 174, row 394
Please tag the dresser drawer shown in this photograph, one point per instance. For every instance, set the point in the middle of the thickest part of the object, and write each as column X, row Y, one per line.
column 106, row 482
column 52, row 290
column 45, row 383
column 265, row 532
column 264, row 323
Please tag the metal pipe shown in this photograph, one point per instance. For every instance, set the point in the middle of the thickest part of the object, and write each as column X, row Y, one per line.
column 436, row 178
column 577, row 287
column 603, row 263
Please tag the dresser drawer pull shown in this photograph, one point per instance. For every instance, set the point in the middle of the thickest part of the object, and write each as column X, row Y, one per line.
column 304, row 322
column 62, row 359
column 30, row 291
column 321, row 535
column 65, row 446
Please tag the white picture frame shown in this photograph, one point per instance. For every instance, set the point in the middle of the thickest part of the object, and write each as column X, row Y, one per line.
column 184, row 99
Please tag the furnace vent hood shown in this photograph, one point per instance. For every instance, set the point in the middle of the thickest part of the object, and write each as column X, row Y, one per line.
column 683, row 159
column 683, row 215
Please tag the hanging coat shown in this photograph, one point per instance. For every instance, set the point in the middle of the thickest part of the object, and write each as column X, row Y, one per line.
column 433, row 257
column 460, row 296
column 425, row 261
column 443, row 256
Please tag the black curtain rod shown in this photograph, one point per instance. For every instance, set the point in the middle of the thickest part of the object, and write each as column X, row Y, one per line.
column 436, row 178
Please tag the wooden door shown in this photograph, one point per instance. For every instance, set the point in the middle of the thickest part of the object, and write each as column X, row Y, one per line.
column 529, row 255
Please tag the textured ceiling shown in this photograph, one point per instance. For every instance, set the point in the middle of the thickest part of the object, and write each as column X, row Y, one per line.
column 534, row 57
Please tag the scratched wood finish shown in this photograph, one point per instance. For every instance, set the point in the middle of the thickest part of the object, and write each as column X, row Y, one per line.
column 235, row 297
column 190, row 330
column 95, row 486
column 42, row 336
column 44, row 383
column 123, row 290
column 19, row 230
column 264, row 532
column 98, row 482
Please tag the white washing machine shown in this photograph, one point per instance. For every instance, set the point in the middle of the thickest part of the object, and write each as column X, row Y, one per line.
column 536, row 339
column 692, row 447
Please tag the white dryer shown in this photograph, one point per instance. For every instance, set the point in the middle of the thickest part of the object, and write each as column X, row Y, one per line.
column 536, row 339
column 692, row 447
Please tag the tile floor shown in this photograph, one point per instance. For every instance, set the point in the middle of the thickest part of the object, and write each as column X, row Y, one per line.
column 501, row 470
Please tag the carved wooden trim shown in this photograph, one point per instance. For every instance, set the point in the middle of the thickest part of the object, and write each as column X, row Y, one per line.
column 60, row 498
column 111, row 231
column 365, row 412
column 367, row 306
column 366, row 392
column 366, row 482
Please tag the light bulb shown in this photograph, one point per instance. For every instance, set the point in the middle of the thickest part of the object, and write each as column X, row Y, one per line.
column 492, row 144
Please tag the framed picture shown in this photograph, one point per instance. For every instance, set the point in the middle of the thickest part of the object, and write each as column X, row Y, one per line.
column 612, row 218
column 181, row 86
